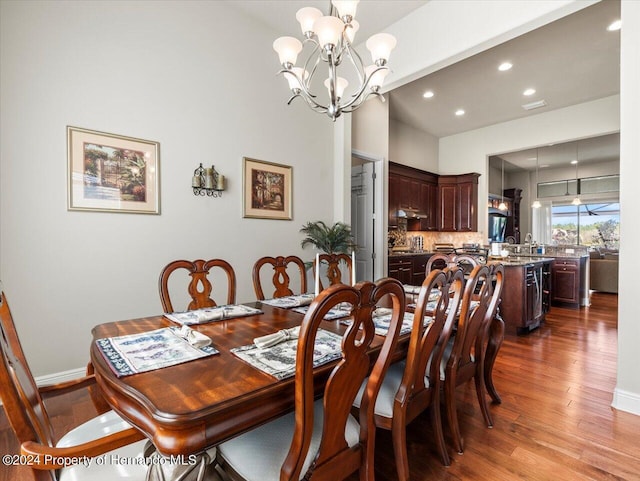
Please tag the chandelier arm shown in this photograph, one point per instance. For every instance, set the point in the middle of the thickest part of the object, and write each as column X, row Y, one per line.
column 304, row 93
column 365, row 84
column 359, row 66
column 352, row 108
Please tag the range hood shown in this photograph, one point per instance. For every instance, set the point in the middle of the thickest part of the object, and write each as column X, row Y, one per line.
column 411, row 214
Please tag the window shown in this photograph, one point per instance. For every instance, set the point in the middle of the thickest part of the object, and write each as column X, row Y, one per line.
column 593, row 224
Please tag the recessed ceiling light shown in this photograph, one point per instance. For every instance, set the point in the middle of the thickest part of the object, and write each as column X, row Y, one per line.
column 615, row 26
column 504, row 66
column 428, row 94
column 529, row 92
column 573, row 162
column 459, row 112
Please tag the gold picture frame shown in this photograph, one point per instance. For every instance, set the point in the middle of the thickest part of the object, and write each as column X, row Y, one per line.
column 112, row 173
column 267, row 190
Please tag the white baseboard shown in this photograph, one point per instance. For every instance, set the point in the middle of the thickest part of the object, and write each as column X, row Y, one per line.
column 626, row 401
column 57, row 377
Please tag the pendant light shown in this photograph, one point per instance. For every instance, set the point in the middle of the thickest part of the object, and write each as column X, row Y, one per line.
column 576, row 201
column 536, row 203
column 502, row 205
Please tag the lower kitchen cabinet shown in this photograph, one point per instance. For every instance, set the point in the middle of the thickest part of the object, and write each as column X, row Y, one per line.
column 568, row 274
column 525, row 296
column 401, row 268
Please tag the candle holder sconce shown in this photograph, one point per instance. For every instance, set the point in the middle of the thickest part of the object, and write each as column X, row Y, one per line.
column 207, row 181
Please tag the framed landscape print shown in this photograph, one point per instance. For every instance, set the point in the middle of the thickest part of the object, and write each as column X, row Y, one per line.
column 267, row 190
column 112, row 173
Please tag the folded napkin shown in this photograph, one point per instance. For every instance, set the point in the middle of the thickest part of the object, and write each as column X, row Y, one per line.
column 209, row 314
column 195, row 338
column 290, row 301
column 276, row 338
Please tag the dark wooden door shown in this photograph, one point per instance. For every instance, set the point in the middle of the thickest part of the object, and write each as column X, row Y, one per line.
column 448, row 201
column 468, row 194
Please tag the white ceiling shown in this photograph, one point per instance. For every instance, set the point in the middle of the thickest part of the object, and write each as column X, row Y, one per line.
column 570, row 61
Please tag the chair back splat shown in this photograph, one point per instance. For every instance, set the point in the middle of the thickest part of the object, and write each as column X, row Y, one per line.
column 328, row 443
column 334, row 274
column 281, row 278
column 199, row 287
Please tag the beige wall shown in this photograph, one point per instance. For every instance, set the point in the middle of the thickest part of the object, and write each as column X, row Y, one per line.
column 159, row 71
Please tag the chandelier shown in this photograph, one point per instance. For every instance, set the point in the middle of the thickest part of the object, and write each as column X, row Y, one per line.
column 330, row 41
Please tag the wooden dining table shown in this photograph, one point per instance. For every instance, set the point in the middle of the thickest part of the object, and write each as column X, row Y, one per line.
column 190, row 407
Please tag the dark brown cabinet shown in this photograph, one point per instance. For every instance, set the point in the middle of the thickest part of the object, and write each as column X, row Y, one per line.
column 525, row 298
column 401, row 268
column 415, row 192
column 568, row 281
column 458, row 201
column 513, row 219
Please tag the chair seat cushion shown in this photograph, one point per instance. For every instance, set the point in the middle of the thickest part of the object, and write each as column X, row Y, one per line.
column 388, row 390
column 259, row 454
column 126, row 462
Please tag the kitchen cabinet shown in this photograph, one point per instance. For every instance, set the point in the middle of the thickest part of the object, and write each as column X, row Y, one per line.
column 401, row 268
column 415, row 192
column 513, row 219
column 568, row 281
column 525, row 296
column 458, row 203
column 408, row 268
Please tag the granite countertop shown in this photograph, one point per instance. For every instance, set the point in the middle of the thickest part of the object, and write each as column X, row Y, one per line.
column 516, row 261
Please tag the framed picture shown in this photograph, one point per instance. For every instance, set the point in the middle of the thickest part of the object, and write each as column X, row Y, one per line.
column 112, row 173
column 267, row 190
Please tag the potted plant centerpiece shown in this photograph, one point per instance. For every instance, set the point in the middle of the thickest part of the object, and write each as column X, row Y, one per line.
column 335, row 241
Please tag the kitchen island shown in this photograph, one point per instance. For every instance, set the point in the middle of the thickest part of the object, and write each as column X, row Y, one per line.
column 526, row 296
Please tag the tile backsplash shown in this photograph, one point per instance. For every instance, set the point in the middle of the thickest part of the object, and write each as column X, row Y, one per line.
column 402, row 237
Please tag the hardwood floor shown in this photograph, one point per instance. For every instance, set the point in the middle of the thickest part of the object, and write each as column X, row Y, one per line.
column 555, row 421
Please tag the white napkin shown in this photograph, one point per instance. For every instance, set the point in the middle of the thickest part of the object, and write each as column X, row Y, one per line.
column 195, row 338
column 276, row 338
column 208, row 315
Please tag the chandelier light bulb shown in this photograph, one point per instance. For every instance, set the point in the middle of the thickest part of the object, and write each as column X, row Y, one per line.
column 380, row 45
column 340, row 86
column 536, row 204
column 377, row 79
column 329, row 30
column 351, row 29
column 502, row 206
column 300, row 73
column 306, row 17
column 576, row 201
column 288, row 49
column 346, row 8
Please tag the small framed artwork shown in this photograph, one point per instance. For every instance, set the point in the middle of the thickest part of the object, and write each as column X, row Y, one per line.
column 267, row 190
column 112, row 173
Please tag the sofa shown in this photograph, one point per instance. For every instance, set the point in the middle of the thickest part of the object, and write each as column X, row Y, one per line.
column 603, row 271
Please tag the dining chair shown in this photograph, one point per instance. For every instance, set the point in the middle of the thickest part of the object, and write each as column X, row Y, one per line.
column 465, row 261
column 281, row 278
column 334, row 273
column 413, row 385
column 464, row 355
column 321, row 440
column 199, row 287
column 107, row 434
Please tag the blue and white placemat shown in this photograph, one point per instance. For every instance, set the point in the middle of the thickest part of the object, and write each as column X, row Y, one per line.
column 280, row 360
column 211, row 314
column 288, row 302
column 136, row 353
column 337, row 312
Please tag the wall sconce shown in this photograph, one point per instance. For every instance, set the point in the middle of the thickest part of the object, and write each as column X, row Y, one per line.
column 207, row 181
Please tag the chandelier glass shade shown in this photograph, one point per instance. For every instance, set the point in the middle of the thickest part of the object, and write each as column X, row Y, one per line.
column 330, row 41
column 502, row 205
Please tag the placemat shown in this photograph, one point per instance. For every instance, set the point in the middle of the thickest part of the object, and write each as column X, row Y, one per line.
column 290, row 301
column 211, row 314
column 136, row 353
column 279, row 361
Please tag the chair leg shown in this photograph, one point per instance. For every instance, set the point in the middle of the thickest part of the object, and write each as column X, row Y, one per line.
column 482, row 400
column 496, row 336
column 436, row 424
column 452, row 414
column 399, row 434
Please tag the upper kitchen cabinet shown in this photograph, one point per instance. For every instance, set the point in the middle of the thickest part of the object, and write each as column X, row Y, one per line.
column 458, row 201
column 414, row 192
